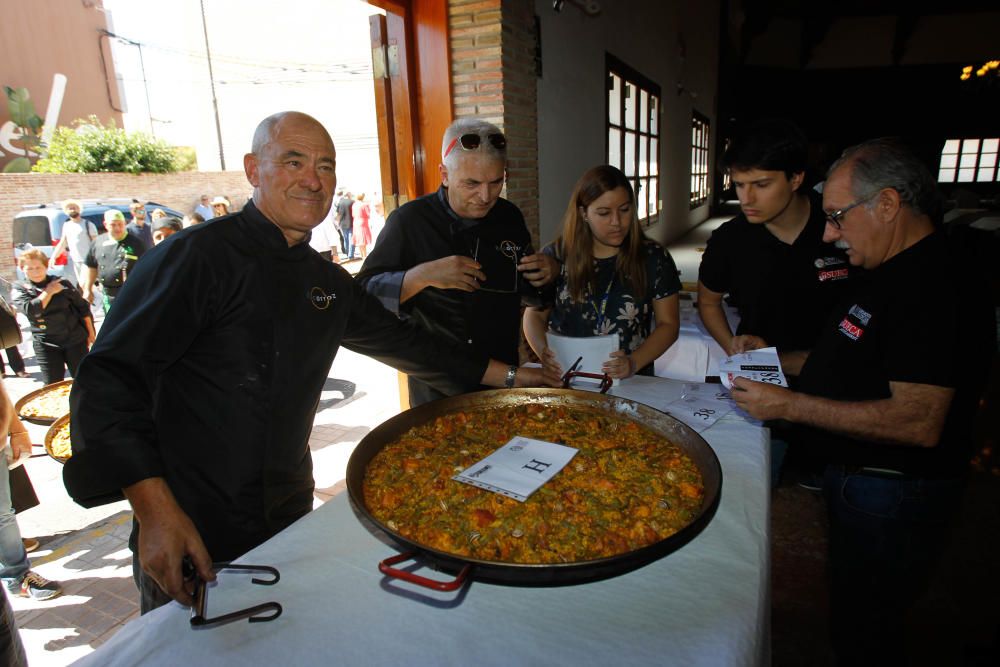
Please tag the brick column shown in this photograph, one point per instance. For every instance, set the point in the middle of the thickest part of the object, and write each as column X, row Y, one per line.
column 493, row 77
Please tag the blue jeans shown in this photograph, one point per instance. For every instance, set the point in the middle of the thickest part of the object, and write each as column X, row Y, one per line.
column 887, row 534
column 13, row 557
column 347, row 242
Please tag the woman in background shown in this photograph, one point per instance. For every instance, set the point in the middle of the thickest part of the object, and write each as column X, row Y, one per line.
column 361, row 235
column 62, row 327
column 612, row 280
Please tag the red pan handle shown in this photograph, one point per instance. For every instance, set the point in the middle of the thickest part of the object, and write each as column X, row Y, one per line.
column 385, row 567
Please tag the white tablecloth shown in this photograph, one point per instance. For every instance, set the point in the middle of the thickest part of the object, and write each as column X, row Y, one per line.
column 695, row 355
column 705, row 604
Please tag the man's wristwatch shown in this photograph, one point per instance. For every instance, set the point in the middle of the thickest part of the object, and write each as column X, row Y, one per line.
column 511, row 375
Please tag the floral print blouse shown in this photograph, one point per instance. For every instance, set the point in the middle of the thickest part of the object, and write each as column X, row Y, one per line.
column 614, row 309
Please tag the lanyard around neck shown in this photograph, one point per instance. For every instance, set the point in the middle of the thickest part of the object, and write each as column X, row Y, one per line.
column 604, row 302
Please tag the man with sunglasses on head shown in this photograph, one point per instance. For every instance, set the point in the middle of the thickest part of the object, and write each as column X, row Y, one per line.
column 459, row 261
column 138, row 227
column 771, row 259
column 887, row 395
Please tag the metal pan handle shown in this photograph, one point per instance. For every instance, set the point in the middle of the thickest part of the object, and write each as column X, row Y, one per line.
column 385, row 567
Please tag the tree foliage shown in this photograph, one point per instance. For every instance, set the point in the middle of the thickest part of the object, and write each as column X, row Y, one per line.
column 94, row 147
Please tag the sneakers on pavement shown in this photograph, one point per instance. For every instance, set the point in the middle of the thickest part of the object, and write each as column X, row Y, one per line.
column 34, row 586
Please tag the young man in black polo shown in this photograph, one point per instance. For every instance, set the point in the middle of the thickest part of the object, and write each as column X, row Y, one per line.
column 771, row 259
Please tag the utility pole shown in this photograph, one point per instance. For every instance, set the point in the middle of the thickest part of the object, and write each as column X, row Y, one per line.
column 211, row 79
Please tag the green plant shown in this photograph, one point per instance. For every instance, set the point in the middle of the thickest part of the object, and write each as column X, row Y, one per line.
column 22, row 113
column 94, row 147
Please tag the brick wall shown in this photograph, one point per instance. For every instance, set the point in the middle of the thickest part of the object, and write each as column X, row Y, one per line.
column 493, row 77
column 180, row 191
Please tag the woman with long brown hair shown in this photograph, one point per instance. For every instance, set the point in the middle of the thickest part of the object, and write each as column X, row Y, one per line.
column 613, row 279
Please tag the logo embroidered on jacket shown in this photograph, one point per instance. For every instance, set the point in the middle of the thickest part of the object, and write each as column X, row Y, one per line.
column 860, row 314
column 827, row 261
column 835, row 274
column 320, row 299
column 851, row 330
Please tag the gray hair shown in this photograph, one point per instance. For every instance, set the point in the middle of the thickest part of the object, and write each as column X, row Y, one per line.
column 887, row 163
column 470, row 126
column 265, row 130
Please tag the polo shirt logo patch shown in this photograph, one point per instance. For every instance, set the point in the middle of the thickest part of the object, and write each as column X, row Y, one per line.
column 320, row 299
column 860, row 314
column 822, row 262
column 835, row 274
column 851, row 330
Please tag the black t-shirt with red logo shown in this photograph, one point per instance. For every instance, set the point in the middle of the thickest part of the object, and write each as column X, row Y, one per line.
column 783, row 292
column 904, row 323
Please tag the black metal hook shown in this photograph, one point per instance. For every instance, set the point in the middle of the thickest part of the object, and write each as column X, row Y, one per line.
column 253, row 614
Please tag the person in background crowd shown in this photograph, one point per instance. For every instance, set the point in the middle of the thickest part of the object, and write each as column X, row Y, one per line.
column 361, row 234
column 138, row 227
column 377, row 221
column 164, row 227
column 336, row 219
column 612, row 279
column 242, row 350
column 886, row 398
column 15, row 570
column 220, row 207
column 75, row 239
column 323, row 238
column 204, row 208
column 156, row 215
column 111, row 258
column 62, row 327
column 194, row 219
column 449, row 260
column 16, row 362
column 345, row 222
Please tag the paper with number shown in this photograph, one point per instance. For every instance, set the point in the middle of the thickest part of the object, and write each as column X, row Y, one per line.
column 697, row 412
column 519, row 468
column 595, row 350
column 757, row 365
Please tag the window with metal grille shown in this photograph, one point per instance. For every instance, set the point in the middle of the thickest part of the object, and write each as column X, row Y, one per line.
column 699, row 159
column 633, row 134
column 968, row 161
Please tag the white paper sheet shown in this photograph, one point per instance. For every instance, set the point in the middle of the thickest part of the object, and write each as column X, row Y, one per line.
column 595, row 350
column 519, row 468
column 757, row 365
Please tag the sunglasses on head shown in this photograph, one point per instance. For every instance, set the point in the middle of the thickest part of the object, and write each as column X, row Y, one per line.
column 471, row 142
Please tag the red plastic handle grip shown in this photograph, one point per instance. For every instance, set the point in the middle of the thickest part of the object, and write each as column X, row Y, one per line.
column 385, row 567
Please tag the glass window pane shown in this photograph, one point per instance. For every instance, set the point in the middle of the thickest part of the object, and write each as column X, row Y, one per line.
column 949, row 161
column 991, row 145
column 644, row 112
column 968, row 160
column 970, row 146
column 987, row 159
column 946, row 176
column 966, row 175
column 654, row 107
column 950, row 146
column 654, row 158
column 642, row 201
column 985, row 175
column 643, row 156
column 654, row 195
column 631, row 93
column 615, row 101
column 615, row 147
column 629, row 167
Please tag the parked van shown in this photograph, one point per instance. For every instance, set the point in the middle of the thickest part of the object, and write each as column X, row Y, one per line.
column 41, row 226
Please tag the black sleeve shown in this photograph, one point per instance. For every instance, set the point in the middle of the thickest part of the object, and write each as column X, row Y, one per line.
column 26, row 300
column 714, row 272
column 159, row 312
column 375, row 332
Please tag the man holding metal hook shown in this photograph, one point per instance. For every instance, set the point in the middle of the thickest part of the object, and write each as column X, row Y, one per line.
column 460, row 261
column 198, row 397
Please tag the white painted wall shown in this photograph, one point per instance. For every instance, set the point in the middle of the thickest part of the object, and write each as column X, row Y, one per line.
column 645, row 34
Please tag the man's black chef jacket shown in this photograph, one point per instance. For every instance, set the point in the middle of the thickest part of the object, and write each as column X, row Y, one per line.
column 903, row 323
column 783, row 292
column 427, row 229
column 210, row 371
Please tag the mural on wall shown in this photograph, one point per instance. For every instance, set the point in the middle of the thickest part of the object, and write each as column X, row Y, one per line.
column 25, row 134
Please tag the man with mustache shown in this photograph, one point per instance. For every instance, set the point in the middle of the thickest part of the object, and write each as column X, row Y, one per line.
column 887, row 395
column 76, row 236
column 198, row 397
column 453, row 260
column 771, row 259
